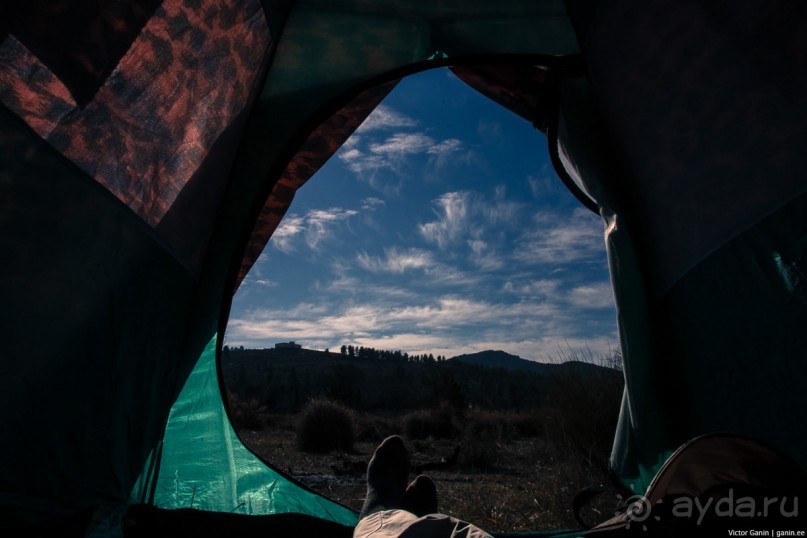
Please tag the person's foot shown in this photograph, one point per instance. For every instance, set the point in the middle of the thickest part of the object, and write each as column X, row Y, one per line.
column 387, row 474
column 420, row 497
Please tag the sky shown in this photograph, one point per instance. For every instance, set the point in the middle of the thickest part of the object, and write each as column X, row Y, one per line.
column 439, row 227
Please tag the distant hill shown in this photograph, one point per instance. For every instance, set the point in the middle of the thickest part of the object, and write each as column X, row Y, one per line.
column 507, row 361
column 284, row 379
column 504, row 360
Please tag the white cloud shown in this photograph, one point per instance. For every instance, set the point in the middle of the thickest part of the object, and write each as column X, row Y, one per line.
column 500, row 211
column 359, row 162
column 290, row 227
column 484, row 256
column 542, row 186
column 473, row 273
column 392, row 153
column 548, row 289
column 401, row 144
column 371, row 203
column 314, row 226
column 599, row 295
column 452, row 212
column 436, row 326
column 590, row 296
column 562, row 239
column 385, row 117
column 396, row 261
column 446, row 146
column 319, row 222
column 475, row 219
column 477, row 246
column 367, row 153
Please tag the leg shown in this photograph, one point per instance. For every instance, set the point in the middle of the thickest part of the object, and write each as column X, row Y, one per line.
column 421, row 496
column 387, row 475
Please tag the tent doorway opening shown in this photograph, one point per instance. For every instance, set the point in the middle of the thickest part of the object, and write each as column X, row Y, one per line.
column 436, row 280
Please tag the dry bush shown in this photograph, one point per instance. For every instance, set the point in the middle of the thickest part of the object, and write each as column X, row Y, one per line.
column 375, row 428
column 584, row 410
column 526, row 424
column 247, row 413
column 482, row 440
column 324, row 426
column 435, row 423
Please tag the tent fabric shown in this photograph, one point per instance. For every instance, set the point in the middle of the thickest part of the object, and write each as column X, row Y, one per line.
column 223, row 475
column 702, row 112
column 153, row 137
column 108, row 200
column 705, row 311
column 80, row 44
column 148, row 150
column 519, row 88
column 93, row 314
column 724, row 474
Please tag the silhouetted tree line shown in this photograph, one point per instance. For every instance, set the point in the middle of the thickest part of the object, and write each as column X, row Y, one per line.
column 362, row 352
column 372, row 380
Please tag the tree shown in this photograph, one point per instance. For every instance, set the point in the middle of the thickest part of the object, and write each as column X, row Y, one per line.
column 344, row 349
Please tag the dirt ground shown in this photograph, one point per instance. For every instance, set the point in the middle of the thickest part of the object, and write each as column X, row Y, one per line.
column 528, row 485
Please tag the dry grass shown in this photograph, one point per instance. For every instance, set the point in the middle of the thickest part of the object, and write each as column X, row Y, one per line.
column 527, row 483
column 516, row 471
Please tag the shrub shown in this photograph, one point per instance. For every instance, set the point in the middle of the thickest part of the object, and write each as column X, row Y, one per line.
column 584, row 411
column 247, row 413
column 481, row 441
column 375, row 428
column 435, row 423
column 325, row 425
column 526, row 424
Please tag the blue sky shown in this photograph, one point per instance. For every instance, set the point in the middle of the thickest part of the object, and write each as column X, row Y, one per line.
column 439, row 227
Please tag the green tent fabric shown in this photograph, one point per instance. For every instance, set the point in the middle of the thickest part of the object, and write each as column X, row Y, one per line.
column 223, row 475
column 148, row 150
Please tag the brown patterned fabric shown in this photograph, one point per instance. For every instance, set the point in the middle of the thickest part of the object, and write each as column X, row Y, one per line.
column 518, row 88
column 188, row 74
column 323, row 142
column 80, row 42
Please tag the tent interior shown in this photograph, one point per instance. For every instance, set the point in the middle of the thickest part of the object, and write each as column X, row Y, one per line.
column 149, row 149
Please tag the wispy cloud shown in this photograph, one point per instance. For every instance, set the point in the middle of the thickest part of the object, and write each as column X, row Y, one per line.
column 372, row 149
column 446, row 146
column 599, row 295
column 315, row 226
column 384, row 117
column 401, row 144
column 396, row 261
column 590, row 296
column 290, row 227
column 452, row 213
column 546, row 289
column 455, row 265
column 543, row 185
column 466, row 216
column 371, row 203
column 484, row 256
column 392, row 152
column 436, row 326
column 319, row 222
column 561, row 239
column 359, row 161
